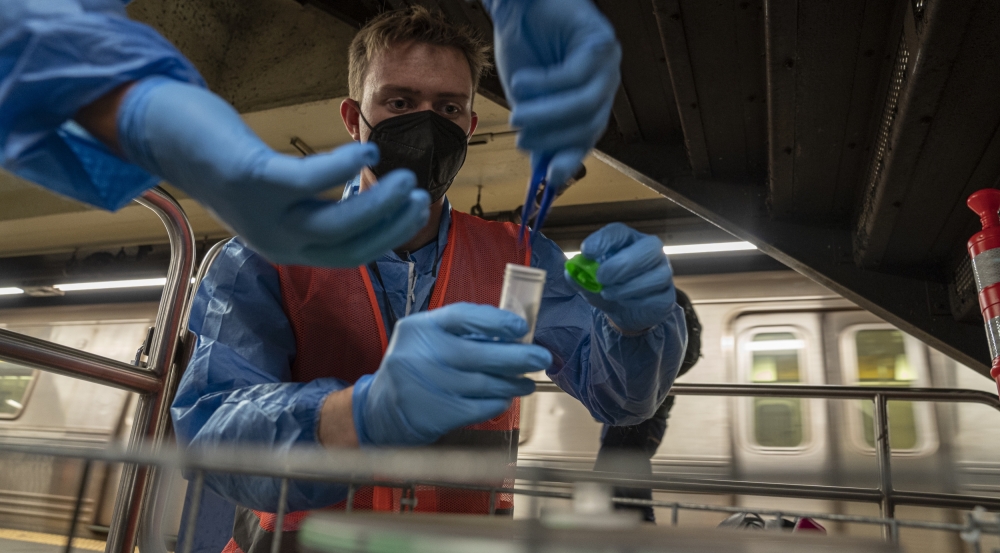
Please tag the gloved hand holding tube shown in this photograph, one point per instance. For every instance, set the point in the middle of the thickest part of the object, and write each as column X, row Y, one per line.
column 445, row 369
column 197, row 142
column 636, row 289
column 558, row 62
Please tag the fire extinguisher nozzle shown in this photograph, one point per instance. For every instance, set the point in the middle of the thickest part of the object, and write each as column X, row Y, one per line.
column 986, row 204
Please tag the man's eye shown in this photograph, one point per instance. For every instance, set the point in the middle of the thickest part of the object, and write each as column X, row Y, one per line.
column 398, row 104
column 451, row 110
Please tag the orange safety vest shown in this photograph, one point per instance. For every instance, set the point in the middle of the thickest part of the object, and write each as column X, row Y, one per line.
column 339, row 332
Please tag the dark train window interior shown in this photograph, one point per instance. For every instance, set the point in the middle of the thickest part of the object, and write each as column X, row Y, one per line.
column 882, row 361
column 776, row 358
column 15, row 383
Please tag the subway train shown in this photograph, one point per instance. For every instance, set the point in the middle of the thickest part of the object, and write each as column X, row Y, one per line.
column 759, row 327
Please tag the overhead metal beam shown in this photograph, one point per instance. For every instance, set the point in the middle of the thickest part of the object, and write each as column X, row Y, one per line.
column 928, row 49
column 625, row 117
column 823, row 62
column 781, row 32
column 917, row 306
column 671, row 24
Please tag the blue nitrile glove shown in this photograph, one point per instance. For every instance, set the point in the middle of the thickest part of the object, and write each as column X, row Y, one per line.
column 638, row 286
column 197, row 142
column 440, row 373
column 559, row 65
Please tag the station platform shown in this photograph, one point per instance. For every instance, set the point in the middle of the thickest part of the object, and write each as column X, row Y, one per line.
column 19, row 541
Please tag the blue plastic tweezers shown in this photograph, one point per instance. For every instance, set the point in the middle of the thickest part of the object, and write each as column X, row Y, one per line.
column 548, row 195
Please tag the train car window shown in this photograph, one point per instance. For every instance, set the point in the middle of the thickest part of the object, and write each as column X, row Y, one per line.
column 882, row 361
column 778, row 348
column 880, row 355
column 15, row 386
column 775, row 358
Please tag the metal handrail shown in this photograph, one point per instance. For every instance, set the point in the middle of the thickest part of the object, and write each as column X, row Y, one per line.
column 44, row 355
column 152, row 418
column 405, row 469
column 969, row 532
column 944, row 395
column 206, row 262
column 884, row 495
column 155, row 384
column 771, row 489
column 199, row 275
column 451, row 466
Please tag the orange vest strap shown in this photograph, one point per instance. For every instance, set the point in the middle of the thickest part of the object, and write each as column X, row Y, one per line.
column 444, row 272
column 383, row 340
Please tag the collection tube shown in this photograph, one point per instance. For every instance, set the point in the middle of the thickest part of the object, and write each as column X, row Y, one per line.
column 522, row 294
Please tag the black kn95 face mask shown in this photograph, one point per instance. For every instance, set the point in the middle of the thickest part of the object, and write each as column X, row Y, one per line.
column 424, row 142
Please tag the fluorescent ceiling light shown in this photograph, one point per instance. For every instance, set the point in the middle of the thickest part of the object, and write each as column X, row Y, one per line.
column 776, row 345
column 685, row 249
column 14, row 404
column 111, row 284
column 708, row 248
column 10, row 291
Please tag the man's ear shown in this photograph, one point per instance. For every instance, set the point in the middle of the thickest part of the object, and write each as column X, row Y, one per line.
column 475, row 123
column 350, row 112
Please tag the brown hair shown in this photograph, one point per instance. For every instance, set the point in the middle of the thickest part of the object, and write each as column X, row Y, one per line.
column 415, row 23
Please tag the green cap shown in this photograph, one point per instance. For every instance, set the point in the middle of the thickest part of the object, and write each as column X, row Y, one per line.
column 584, row 272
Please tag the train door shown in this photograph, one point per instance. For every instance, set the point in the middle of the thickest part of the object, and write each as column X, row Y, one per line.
column 781, row 438
column 42, row 408
column 866, row 351
column 557, row 430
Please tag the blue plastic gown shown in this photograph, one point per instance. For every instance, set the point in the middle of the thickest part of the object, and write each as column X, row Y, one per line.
column 57, row 56
column 237, row 386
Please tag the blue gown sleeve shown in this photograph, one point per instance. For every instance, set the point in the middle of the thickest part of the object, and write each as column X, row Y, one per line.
column 237, row 388
column 620, row 379
column 56, row 57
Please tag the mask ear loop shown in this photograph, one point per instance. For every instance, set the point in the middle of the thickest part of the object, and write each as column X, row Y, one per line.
column 362, row 115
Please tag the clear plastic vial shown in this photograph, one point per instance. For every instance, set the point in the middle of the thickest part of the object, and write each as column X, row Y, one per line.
column 522, row 294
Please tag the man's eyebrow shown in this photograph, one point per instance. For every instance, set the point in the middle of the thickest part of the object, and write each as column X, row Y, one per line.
column 393, row 89
column 454, row 95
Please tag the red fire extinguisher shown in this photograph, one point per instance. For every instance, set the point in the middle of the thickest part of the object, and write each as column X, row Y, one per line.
column 984, row 248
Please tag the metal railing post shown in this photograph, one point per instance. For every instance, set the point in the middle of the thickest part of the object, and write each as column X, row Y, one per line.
column 191, row 522
column 883, row 454
column 152, row 412
column 279, row 520
column 78, row 506
column 203, row 267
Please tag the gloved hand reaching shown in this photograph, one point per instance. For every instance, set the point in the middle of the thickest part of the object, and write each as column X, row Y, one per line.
column 559, row 65
column 638, row 288
column 437, row 376
column 197, row 142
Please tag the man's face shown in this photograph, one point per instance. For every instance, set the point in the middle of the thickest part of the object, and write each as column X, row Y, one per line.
column 411, row 77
